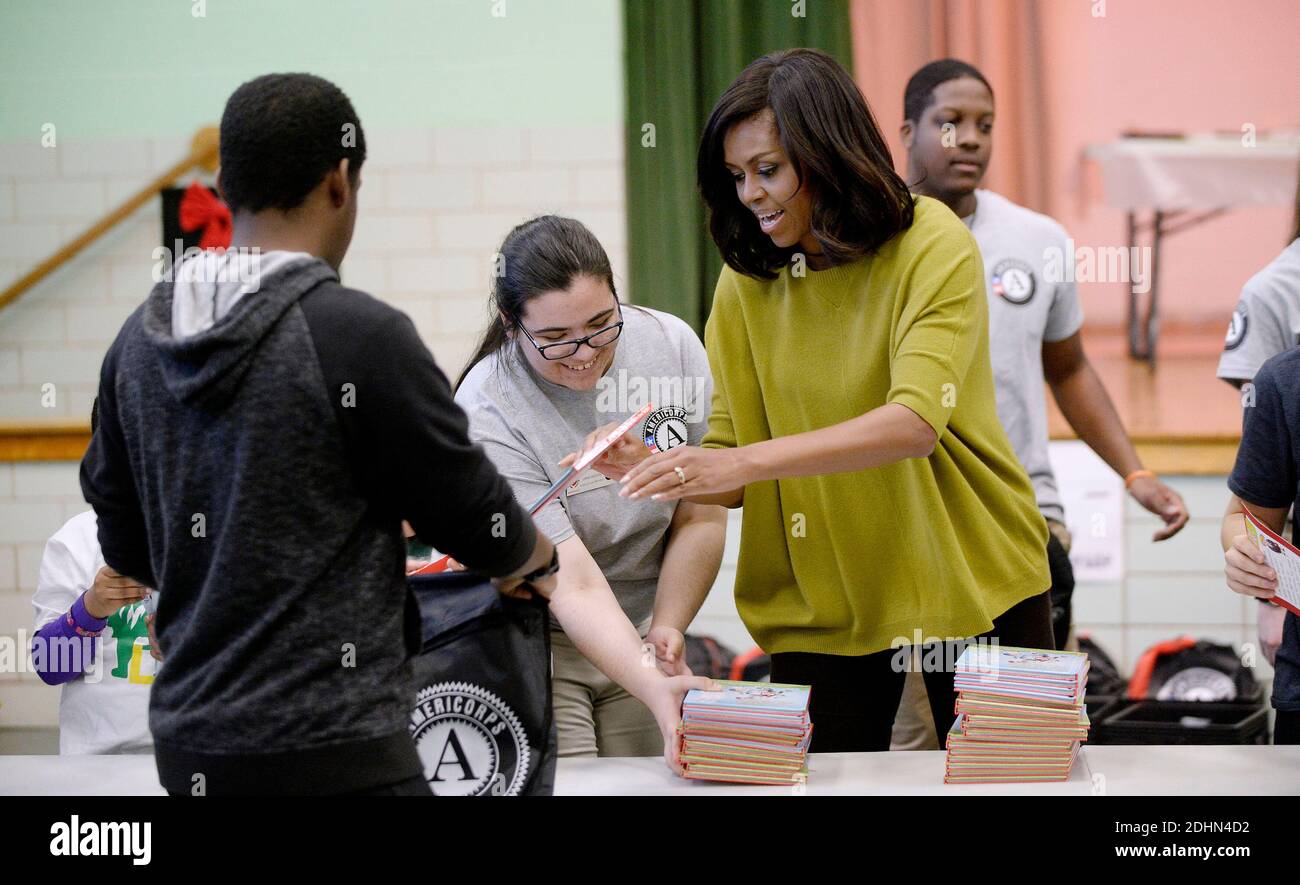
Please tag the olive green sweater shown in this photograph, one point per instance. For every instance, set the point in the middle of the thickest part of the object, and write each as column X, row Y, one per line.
column 853, row 563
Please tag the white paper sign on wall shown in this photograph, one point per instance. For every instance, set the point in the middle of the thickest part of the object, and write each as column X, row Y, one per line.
column 1093, row 496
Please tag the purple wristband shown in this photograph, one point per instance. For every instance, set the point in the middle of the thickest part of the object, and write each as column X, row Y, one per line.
column 83, row 620
column 77, row 624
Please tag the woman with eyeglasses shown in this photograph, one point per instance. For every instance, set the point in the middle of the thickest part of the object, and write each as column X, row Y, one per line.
column 560, row 358
column 855, row 413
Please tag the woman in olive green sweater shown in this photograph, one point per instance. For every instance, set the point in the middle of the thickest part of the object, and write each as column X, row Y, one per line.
column 854, row 413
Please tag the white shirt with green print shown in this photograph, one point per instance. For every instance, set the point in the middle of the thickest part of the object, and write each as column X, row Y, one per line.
column 107, row 709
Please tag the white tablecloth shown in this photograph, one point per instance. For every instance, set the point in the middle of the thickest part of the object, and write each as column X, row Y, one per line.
column 1101, row 770
column 1199, row 172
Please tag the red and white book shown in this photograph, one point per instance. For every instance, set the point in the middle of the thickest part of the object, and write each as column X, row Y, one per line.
column 1282, row 557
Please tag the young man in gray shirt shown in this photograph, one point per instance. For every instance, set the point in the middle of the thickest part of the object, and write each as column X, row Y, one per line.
column 1034, row 325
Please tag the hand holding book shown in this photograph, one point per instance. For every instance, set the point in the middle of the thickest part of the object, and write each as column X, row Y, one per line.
column 1270, row 571
column 585, row 460
column 614, row 462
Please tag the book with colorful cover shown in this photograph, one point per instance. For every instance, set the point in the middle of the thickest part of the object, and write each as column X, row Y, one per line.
column 1078, row 718
column 1013, row 709
column 958, row 743
column 1282, row 557
column 774, row 751
column 957, row 756
column 745, row 698
column 1045, row 705
column 1014, row 688
column 1073, row 695
column 703, row 753
column 731, row 770
column 739, row 759
column 990, row 774
column 1020, row 680
column 727, row 719
column 991, row 720
column 1013, row 766
column 1024, row 665
column 1063, row 755
column 755, row 742
column 967, row 746
column 975, row 723
column 775, row 736
column 745, row 776
column 1022, row 736
column 1005, row 778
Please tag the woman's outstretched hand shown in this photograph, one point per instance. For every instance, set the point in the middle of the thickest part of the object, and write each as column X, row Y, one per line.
column 618, row 459
column 685, row 471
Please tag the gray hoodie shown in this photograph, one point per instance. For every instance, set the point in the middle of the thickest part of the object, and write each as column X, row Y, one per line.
column 255, row 469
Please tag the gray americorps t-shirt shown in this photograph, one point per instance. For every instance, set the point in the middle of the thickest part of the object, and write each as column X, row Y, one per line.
column 527, row 424
column 1026, row 308
column 1266, row 320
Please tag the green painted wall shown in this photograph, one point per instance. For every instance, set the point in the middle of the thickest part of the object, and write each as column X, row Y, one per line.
column 130, row 68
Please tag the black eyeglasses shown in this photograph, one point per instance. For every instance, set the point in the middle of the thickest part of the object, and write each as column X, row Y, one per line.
column 564, row 349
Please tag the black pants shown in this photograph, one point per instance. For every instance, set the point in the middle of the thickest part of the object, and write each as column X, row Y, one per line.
column 1286, row 727
column 855, row 698
column 1062, row 589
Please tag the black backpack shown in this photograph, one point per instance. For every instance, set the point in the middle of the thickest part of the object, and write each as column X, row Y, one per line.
column 1103, row 676
column 482, row 719
column 1188, row 669
column 707, row 656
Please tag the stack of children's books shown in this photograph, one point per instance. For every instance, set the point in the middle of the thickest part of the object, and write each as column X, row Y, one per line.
column 749, row 732
column 1020, row 715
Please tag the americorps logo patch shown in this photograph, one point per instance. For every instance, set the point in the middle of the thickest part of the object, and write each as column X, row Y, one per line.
column 666, row 428
column 1014, row 281
column 1236, row 329
column 470, row 741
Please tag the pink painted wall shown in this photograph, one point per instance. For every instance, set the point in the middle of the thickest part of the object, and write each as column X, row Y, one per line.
column 1183, row 65
column 1190, row 65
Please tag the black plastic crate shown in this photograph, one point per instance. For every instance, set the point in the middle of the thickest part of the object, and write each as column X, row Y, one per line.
column 1185, row 722
column 1101, row 707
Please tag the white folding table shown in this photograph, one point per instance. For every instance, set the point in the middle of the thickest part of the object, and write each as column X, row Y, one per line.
column 1100, row 771
column 1182, row 182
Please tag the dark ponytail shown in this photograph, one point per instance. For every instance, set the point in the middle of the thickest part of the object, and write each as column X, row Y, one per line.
column 542, row 255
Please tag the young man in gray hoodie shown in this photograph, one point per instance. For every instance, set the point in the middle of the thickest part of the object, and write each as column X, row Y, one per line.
column 263, row 433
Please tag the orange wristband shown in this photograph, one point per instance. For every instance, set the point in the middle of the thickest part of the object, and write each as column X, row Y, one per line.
column 1137, row 474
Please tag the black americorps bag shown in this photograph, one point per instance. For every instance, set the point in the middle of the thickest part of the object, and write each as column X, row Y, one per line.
column 482, row 720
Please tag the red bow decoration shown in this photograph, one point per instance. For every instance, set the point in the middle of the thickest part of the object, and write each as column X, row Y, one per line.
column 200, row 209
